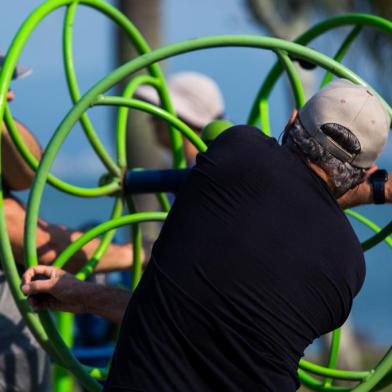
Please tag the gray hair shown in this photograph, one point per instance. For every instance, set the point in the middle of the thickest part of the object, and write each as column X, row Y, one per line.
column 343, row 175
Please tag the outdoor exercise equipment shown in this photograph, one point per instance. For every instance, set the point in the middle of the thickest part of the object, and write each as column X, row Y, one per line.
column 118, row 185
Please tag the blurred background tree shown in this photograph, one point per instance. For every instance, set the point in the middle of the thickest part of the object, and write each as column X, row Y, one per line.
column 142, row 148
column 287, row 19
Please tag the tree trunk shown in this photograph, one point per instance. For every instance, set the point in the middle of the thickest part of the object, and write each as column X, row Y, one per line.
column 142, row 148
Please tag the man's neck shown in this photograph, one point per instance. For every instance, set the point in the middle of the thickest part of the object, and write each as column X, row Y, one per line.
column 321, row 173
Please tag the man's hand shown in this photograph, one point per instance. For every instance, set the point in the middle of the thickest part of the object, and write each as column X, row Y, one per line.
column 363, row 194
column 60, row 291
column 388, row 189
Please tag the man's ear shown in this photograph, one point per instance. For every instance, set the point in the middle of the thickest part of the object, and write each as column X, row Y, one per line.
column 292, row 118
column 370, row 171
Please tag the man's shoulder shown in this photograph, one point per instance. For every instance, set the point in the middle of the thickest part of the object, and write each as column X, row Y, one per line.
column 242, row 137
column 241, row 131
column 240, row 150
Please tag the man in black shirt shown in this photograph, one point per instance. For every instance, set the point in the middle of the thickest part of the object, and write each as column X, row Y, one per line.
column 255, row 260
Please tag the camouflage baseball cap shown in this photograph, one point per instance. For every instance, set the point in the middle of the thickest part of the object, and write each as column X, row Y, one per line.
column 354, row 107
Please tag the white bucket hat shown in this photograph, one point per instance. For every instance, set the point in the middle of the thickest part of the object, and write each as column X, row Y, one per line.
column 196, row 98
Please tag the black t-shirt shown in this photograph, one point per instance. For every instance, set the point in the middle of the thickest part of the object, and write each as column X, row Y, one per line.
column 255, row 260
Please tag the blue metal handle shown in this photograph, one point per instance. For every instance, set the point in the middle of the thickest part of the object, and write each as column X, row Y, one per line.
column 155, row 181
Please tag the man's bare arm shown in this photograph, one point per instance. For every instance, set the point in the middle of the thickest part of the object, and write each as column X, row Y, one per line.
column 52, row 239
column 17, row 172
column 363, row 194
column 62, row 291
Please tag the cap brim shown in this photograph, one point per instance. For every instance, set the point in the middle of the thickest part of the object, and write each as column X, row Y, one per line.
column 20, row 71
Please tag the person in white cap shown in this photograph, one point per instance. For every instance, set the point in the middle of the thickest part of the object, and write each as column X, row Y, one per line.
column 196, row 99
column 255, row 260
